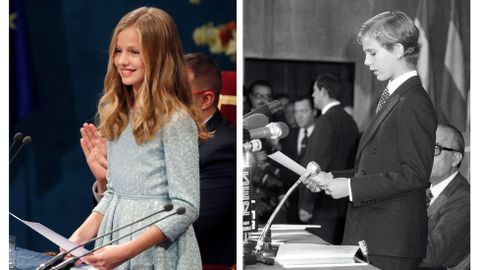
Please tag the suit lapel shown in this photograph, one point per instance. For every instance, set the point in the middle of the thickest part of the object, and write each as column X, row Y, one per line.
column 444, row 196
column 376, row 121
column 438, row 203
column 387, row 108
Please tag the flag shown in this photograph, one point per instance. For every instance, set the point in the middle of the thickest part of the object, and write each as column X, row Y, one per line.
column 424, row 64
column 453, row 100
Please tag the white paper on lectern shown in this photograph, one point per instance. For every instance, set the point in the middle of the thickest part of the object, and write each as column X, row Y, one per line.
column 53, row 236
column 287, row 162
column 282, row 227
column 316, row 255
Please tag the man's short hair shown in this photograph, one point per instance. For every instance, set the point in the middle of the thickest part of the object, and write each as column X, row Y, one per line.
column 205, row 71
column 457, row 138
column 259, row 83
column 331, row 83
column 390, row 28
column 306, row 97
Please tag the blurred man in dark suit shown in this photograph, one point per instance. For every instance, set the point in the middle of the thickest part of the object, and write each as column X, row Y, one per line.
column 215, row 227
column 331, row 145
column 294, row 146
column 448, row 211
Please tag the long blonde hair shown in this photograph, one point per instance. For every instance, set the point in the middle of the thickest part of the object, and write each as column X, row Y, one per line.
column 164, row 90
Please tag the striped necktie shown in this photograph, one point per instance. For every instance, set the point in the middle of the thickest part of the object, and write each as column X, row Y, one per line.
column 429, row 196
column 303, row 143
column 383, row 99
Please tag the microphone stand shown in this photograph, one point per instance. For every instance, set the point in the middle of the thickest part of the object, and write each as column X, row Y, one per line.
column 263, row 249
column 70, row 262
column 59, row 257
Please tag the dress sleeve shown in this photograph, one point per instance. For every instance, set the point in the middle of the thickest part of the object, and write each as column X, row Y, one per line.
column 105, row 198
column 180, row 139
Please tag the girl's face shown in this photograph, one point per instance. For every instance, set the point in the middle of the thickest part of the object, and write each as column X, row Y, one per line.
column 382, row 62
column 128, row 58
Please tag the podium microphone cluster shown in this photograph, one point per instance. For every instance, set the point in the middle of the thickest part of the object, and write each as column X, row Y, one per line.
column 17, row 139
column 253, row 138
column 56, row 261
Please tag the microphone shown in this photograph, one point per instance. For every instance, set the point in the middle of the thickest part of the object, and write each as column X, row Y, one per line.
column 262, row 251
column 363, row 248
column 70, row 262
column 255, row 121
column 59, row 257
column 253, row 145
column 268, row 109
column 17, row 138
column 271, row 131
column 26, row 140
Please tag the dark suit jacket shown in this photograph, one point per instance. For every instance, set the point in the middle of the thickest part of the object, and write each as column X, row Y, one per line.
column 288, row 178
column 289, row 148
column 449, row 225
column 215, row 227
column 331, row 145
column 392, row 170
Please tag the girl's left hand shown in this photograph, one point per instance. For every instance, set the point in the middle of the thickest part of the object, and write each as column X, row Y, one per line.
column 107, row 258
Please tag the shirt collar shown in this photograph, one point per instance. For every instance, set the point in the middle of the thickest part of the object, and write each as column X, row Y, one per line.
column 309, row 130
column 329, row 105
column 394, row 84
column 438, row 188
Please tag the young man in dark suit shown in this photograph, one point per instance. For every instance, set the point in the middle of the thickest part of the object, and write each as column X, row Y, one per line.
column 386, row 188
column 449, row 205
column 331, row 145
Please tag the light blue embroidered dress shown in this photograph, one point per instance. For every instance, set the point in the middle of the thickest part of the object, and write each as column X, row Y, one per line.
column 141, row 180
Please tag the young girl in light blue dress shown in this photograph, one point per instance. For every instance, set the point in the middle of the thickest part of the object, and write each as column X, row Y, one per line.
column 147, row 116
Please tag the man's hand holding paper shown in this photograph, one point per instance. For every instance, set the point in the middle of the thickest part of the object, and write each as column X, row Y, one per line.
column 316, row 180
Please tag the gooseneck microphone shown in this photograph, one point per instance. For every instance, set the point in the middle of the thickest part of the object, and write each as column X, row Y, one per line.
column 364, row 249
column 268, row 109
column 26, row 140
column 261, row 252
column 70, row 262
column 60, row 256
column 272, row 131
column 17, row 138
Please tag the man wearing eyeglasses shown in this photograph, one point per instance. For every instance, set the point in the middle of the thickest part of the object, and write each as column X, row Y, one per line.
column 260, row 93
column 449, row 205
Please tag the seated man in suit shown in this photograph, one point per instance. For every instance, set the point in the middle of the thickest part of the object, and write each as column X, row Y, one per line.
column 215, row 227
column 449, row 207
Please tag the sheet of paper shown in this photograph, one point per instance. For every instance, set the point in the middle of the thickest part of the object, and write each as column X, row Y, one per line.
column 293, row 226
column 315, row 255
column 287, row 162
column 53, row 236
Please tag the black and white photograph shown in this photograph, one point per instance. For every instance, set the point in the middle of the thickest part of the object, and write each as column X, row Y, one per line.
column 370, row 101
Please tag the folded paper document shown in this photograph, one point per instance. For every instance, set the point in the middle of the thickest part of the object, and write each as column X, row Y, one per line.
column 53, row 236
column 316, row 255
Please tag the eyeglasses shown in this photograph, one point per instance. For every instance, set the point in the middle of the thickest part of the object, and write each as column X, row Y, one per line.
column 262, row 96
column 438, row 149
